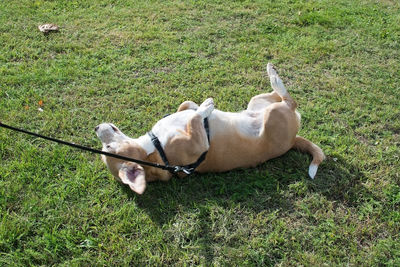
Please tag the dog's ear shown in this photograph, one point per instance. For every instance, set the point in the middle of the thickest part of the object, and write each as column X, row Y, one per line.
column 133, row 175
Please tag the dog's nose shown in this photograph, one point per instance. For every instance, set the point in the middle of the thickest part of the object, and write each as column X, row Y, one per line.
column 96, row 128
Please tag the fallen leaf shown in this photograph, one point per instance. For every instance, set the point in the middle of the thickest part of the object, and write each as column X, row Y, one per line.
column 46, row 28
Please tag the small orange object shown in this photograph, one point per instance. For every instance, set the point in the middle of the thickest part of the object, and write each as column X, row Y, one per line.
column 26, row 107
column 40, row 103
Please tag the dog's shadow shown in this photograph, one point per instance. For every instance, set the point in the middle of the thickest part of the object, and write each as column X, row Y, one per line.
column 256, row 189
column 261, row 189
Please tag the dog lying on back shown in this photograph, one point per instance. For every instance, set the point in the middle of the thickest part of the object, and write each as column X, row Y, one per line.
column 265, row 130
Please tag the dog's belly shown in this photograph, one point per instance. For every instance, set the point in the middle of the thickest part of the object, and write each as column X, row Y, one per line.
column 236, row 138
column 246, row 123
column 236, row 141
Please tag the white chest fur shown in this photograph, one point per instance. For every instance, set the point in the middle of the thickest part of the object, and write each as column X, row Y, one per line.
column 248, row 123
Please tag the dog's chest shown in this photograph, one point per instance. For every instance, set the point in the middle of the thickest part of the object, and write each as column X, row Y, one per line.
column 247, row 123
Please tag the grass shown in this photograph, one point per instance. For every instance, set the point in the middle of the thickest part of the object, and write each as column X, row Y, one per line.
column 131, row 62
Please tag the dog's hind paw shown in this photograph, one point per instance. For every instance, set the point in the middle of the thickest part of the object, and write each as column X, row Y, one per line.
column 206, row 108
column 271, row 70
column 276, row 82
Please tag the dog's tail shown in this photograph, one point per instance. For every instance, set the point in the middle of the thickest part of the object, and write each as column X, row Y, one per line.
column 279, row 87
column 307, row 146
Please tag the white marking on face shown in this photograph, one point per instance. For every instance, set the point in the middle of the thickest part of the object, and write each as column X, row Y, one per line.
column 111, row 137
column 108, row 132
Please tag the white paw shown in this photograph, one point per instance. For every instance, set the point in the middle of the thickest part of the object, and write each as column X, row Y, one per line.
column 206, row 108
column 276, row 82
column 271, row 70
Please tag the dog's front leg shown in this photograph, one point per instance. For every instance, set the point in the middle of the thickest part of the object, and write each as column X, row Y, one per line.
column 206, row 108
column 188, row 105
column 186, row 147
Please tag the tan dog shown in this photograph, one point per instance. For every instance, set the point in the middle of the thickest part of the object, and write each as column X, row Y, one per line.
column 265, row 130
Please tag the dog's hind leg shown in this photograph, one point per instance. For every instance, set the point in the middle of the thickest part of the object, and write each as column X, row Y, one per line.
column 279, row 87
column 188, row 105
column 262, row 101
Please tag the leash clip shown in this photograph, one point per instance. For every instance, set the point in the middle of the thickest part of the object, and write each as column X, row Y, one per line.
column 183, row 169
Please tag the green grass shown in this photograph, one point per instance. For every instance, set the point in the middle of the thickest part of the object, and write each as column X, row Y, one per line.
column 131, row 62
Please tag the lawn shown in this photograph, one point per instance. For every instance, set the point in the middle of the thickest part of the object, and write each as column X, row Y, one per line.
column 131, row 62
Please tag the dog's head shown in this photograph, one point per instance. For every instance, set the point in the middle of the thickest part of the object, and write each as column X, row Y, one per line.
column 114, row 141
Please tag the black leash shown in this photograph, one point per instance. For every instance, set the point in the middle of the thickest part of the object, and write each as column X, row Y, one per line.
column 173, row 169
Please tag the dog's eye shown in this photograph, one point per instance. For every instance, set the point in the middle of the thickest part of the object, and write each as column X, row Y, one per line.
column 108, row 146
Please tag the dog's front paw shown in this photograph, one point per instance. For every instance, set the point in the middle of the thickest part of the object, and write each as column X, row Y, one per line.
column 206, row 108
